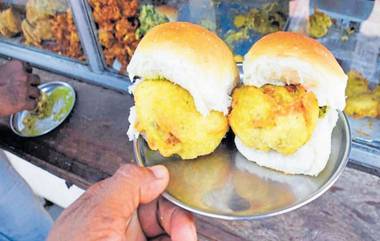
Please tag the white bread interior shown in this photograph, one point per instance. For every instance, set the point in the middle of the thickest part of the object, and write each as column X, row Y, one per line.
column 192, row 57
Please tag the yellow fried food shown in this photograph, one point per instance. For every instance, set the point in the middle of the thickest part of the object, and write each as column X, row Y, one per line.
column 280, row 118
column 356, row 84
column 44, row 9
column 319, row 24
column 10, row 23
column 363, row 105
column 361, row 101
column 376, row 91
column 167, row 117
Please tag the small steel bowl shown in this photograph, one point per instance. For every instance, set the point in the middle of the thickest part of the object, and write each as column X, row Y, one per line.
column 46, row 125
column 226, row 185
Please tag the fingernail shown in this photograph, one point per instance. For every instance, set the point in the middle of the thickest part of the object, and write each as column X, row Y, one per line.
column 159, row 172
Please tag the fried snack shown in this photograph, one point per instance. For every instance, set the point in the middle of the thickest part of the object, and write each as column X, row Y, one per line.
column 117, row 26
column 66, row 37
column 280, row 118
column 267, row 19
column 44, row 9
column 149, row 17
column 361, row 101
column 171, row 123
column 37, row 25
column 10, row 23
column 356, row 84
column 363, row 105
column 319, row 24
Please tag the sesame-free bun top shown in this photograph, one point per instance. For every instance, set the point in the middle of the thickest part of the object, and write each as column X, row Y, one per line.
column 290, row 58
column 192, row 57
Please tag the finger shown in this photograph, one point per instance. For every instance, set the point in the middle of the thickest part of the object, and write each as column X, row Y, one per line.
column 132, row 185
column 178, row 223
column 34, row 92
column 34, row 79
column 27, row 67
column 31, row 104
column 148, row 216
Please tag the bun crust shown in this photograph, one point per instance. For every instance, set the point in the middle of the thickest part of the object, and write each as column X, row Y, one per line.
column 192, row 57
column 290, row 58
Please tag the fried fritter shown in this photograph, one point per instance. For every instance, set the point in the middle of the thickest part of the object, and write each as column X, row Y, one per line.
column 356, row 84
column 10, row 23
column 66, row 37
column 363, row 105
column 319, row 24
column 361, row 101
column 280, row 118
column 117, row 26
column 167, row 117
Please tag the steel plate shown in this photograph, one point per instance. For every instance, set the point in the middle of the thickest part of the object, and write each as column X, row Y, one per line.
column 226, row 185
column 48, row 124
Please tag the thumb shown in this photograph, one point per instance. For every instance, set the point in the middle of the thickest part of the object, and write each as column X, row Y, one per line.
column 141, row 185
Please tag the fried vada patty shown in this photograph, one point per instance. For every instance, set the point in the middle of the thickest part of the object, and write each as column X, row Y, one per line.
column 280, row 118
column 167, row 117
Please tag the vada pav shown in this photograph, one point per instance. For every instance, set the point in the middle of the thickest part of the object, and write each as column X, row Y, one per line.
column 284, row 113
column 185, row 75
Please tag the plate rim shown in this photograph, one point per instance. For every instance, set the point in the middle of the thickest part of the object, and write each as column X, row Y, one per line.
column 313, row 196
column 61, row 83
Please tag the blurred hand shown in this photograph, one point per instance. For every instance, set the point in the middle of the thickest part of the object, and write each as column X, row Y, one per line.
column 125, row 207
column 18, row 88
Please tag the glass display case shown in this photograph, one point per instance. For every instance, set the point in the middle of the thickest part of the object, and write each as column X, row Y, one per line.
column 94, row 40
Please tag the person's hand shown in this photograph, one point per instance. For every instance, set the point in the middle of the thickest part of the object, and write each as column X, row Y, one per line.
column 125, row 207
column 18, row 88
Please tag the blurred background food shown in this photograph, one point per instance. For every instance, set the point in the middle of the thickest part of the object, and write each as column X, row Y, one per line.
column 268, row 18
column 150, row 17
column 65, row 35
column 46, row 24
column 319, row 24
column 10, row 23
column 362, row 101
column 37, row 26
column 117, row 21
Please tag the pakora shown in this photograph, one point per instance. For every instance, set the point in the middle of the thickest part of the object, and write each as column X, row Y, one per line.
column 10, row 23
column 319, row 24
column 267, row 19
column 37, row 26
column 67, row 41
column 361, row 100
column 117, row 23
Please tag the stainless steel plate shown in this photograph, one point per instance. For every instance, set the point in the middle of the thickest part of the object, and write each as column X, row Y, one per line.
column 44, row 126
column 226, row 185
